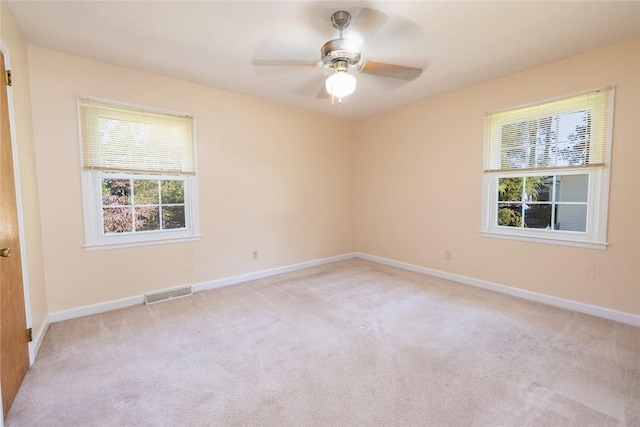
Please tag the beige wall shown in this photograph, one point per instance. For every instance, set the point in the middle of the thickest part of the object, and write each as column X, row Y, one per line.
column 23, row 131
column 405, row 185
column 270, row 178
column 419, row 185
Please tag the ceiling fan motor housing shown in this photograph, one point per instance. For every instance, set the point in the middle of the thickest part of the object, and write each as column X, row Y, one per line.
column 340, row 50
column 341, row 54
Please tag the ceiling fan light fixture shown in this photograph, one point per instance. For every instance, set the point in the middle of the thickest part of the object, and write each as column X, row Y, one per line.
column 340, row 84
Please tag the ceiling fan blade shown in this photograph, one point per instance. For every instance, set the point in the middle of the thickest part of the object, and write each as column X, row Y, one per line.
column 391, row 70
column 310, row 88
column 322, row 93
column 285, row 63
column 369, row 22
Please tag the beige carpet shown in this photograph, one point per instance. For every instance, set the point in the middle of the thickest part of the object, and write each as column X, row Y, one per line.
column 352, row 343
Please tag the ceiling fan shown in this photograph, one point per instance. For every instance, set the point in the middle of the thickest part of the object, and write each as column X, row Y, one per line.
column 341, row 58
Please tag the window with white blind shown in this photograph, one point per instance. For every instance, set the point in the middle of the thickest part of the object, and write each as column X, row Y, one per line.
column 546, row 171
column 138, row 175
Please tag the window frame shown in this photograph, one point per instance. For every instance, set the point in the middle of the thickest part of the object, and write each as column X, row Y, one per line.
column 595, row 236
column 96, row 239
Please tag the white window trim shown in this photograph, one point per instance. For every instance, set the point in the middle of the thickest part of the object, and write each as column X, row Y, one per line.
column 595, row 236
column 596, row 232
column 95, row 239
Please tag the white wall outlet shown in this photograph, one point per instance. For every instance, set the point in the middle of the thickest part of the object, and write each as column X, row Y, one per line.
column 255, row 254
column 447, row 254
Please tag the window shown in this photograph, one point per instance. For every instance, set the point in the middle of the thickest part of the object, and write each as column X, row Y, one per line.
column 546, row 171
column 141, row 203
column 138, row 175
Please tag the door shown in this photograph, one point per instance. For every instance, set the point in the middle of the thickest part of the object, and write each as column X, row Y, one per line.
column 14, row 341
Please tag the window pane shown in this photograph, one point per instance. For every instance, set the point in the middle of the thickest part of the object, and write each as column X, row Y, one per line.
column 571, row 153
column 172, row 192
column 548, row 141
column 573, row 134
column 510, row 215
column 117, row 220
column 571, row 217
column 563, row 133
column 572, row 188
column 514, row 158
column 146, row 192
column 510, row 189
column 545, row 138
column 537, row 216
column 517, row 140
column 147, row 218
column 116, row 192
column 538, row 188
column 173, row 217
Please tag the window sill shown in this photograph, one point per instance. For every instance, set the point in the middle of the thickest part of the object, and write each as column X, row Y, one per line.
column 123, row 245
column 545, row 240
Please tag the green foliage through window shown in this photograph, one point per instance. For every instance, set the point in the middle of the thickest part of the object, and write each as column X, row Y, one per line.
column 551, row 202
column 138, row 205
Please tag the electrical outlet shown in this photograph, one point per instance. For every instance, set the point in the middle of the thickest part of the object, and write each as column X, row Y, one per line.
column 255, row 254
column 447, row 254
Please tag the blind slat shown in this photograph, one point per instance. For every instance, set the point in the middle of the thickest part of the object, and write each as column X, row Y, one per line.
column 119, row 138
column 567, row 133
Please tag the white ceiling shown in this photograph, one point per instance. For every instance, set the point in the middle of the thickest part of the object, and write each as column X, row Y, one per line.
column 458, row 43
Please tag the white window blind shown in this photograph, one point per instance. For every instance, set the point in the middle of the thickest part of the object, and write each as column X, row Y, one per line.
column 118, row 138
column 562, row 134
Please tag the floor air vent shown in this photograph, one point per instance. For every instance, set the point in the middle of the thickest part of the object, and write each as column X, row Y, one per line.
column 167, row 295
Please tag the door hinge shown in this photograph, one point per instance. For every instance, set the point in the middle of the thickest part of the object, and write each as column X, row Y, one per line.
column 30, row 334
column 9, row 83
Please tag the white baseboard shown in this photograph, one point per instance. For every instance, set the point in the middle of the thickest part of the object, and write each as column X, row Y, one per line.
column 266, row 273
column 34, row 346
column 102, row 307
column 606, row 313
column 618, row 316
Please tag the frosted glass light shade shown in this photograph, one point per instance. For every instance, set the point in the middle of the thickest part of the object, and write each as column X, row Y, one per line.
column 340, row 84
